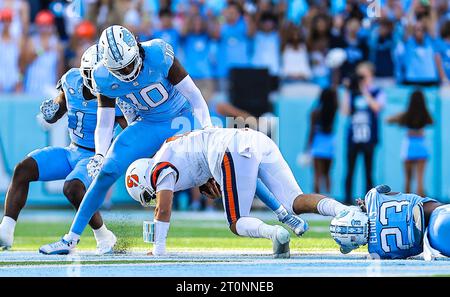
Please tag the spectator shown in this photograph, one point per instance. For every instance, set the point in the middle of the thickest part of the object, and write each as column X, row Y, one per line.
column 20, row 16
column 197, row 54
column 355, row 47
column 443, row 53
column 234, row 34
column 362, row 104
column 321, row 139
column 417, row 57
column 382, row 48
column 167, row 32
column 137, row 20
column 42, row 56
column 84, row 36
column 318, row 45
column 414, row 149
column 10, row 77
column 295, row 64
column 266, row 43
column 104, row 13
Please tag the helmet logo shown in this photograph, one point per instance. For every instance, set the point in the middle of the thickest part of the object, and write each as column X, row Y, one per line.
column 132, row 180
column 128, row 38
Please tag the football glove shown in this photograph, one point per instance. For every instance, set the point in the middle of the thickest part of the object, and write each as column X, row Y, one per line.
column 95, row 165
column 49, row 108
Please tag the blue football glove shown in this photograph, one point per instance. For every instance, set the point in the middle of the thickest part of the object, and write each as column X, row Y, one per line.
column 48, row 109
column 95, row 165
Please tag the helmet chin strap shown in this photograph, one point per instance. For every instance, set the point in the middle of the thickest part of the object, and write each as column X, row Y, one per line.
column 133, row 75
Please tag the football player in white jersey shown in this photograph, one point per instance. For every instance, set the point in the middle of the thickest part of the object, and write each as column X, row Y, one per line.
column 235, row 159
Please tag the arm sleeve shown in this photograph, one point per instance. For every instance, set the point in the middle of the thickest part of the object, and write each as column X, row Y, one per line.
column 189, row 90
column 166, row 181
column 104, row 130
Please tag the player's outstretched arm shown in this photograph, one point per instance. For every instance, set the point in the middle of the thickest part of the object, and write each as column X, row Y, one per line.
column 186, row 86
column 105, row 124
column 163, row 211
column 106, row 116
column 53, row 109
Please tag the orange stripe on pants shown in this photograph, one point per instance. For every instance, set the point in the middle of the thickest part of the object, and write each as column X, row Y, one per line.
column 229, row 189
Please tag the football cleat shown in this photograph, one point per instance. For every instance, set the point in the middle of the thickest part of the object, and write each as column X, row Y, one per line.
column 296, row 224
column 62, row 247
column 106, row 245
column 280, row 243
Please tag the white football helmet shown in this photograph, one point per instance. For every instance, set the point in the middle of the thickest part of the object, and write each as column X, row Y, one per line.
column 89, row 59
column 350, row 229
column 119, row 52
column 137, row 182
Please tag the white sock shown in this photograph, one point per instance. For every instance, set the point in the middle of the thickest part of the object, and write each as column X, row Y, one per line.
column 253, row 227
column 330, row 207
column 161, row 231
column 8, row 224
column 281, row 213
column 71, row 236
column 101, row 233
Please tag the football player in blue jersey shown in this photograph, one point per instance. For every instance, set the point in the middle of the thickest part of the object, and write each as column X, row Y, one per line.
column 395, row 225
column 148, row 76
column 69, row 163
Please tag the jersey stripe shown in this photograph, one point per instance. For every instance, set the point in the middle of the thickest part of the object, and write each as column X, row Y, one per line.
column 229, row 189
column 159, row 167
column 113, row 45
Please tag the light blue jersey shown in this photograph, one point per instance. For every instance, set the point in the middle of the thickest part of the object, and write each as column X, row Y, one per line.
column 396, row 224
column 157, row 102
column 69, row 163
column 81, row 113
column 150, row 93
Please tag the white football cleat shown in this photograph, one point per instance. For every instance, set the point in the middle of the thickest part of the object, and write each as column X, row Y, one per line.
column 280, row 243
column 62, row 247
column 6, row 239
column 106, row 245
column 296, row 224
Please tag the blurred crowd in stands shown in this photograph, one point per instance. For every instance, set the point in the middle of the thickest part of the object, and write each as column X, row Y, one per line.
column 408, row 40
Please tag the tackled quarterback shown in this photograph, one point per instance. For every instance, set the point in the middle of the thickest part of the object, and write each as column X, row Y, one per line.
column 235, row 158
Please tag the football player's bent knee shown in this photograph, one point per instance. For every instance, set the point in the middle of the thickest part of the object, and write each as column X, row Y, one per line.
column 25, row 171
column 74, row 190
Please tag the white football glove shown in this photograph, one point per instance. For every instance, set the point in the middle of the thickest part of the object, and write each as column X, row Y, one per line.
column 49, row 108
column 95, row 165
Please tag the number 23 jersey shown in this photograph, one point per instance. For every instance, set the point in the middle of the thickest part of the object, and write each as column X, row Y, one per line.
column 396, row 224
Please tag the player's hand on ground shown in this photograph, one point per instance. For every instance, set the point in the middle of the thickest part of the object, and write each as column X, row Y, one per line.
column 48, row 109
column 211, row 189
column 95, row 165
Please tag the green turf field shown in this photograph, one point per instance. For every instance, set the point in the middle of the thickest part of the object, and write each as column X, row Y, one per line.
column 183, row 235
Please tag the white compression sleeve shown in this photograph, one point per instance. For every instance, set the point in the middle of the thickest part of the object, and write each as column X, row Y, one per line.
column 104, row 130
column 189, row 90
